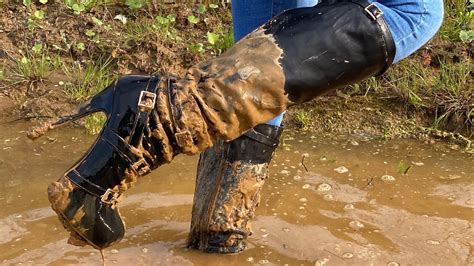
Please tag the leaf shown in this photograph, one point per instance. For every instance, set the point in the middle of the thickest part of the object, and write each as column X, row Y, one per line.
column 24, row 60
column 133, row 4
column 43, row 2
column 26, row 2
column 97, row 21
column 466, row 35
column 192, row 19
column 201, row 8
column 171, row 18
column 78, row 8
column 37, row 48
column 80, row 46
column 90, row 33
column 213, row 6
column 39, row 14
column 212, row 38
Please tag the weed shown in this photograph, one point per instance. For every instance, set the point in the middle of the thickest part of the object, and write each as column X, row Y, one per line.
column 94, row 123
column 403, row 167
column 88, row 80
column 303, row 119
column 165, row 26
column 196, row 48
column 454, row 94
column 78, row 6
column 32, row 68
column 134, row 4
column 459, row 22
column 219, row 42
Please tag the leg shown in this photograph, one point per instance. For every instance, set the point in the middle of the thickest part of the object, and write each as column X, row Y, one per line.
column 411, row 22
column 294, row 57
column 225, row 199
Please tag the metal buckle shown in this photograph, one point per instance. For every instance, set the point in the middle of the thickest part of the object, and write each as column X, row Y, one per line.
column 146, row 102
column 109, row 200
column 141, row 167
column 373, row 11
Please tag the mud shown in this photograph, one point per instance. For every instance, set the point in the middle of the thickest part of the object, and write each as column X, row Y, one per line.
column 226, row 197
column 337, row 217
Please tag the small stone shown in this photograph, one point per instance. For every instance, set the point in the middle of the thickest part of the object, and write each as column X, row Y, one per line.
column 354, row 143
column 321, row 262
column 284, row 172
column 388, row 178
column 61, row 83
column 144, row 250
column 418, row 163
column 356, row 225
column 296, row 177
column 328, row 197
column 324, row 187
column 347, row 255
column 393, row 263
column 249, row 259
column 433, row 242
column 341, row 170
column 285, row 229
column 450, row 177
column 305, row 186
column 114, row 251
column 348, row 207
column 303, row 200
column 263, row 262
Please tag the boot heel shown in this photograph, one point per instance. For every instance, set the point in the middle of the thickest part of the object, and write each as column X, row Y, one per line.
column 101, row 102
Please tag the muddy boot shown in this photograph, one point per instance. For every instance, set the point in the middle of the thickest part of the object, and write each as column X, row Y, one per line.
column 230, row 177
column 293, row 58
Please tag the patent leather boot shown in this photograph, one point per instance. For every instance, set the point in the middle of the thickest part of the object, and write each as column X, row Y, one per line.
column 293, row 58
column 229, row 180
column 86, row 197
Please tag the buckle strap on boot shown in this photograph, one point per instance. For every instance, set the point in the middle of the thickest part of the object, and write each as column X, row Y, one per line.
column 374, row 13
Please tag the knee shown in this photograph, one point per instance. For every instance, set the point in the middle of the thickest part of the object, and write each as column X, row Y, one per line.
column 435, row 13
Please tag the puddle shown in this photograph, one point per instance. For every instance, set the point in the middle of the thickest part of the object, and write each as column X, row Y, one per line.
column 327, row 202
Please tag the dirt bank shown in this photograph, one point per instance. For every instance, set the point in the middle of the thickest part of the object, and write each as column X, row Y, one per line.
column 55, row 56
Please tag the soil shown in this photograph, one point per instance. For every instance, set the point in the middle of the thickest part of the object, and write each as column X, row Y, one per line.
column 61, row 30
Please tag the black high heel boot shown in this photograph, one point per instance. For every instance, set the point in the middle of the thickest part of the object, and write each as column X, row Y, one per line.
column 230, row 177
column 293, row 58
column 85, row 197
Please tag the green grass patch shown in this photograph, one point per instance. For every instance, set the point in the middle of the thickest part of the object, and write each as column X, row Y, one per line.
column 303, row 119
column 88, row 79
column 94, row 123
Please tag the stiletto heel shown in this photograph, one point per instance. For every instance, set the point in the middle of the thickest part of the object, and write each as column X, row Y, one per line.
column 101, row 102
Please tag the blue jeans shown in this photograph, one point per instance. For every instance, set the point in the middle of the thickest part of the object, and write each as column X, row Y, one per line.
column 411, row 22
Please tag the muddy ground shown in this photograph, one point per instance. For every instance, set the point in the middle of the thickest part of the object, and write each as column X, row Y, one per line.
column 133, row 51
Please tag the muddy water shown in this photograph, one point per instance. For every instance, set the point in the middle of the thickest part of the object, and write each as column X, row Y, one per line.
column 351, row 206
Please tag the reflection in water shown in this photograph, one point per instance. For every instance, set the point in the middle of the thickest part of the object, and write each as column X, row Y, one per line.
column 352, row 206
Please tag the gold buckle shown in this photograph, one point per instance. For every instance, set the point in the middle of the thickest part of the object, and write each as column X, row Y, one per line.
column 373, row 11
column 110, row 200
column 146, row 101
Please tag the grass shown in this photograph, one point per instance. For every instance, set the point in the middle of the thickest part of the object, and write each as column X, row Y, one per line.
column 32, row 68
column 89, row 79
column 303, row 119
column 436, row 80
column 459, row 17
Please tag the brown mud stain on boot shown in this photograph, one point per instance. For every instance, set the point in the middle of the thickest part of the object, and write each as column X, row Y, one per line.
column 221, row 216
